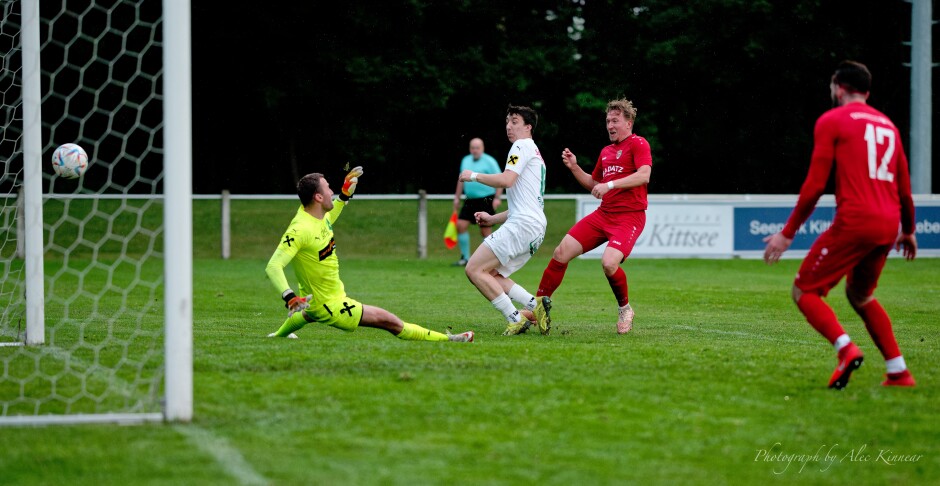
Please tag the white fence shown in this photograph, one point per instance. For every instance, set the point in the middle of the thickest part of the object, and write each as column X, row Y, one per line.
column 680, row 225
column 422, row 197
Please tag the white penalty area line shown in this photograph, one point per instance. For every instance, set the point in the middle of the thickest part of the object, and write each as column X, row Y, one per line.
column 750, row 335
column 224, row 454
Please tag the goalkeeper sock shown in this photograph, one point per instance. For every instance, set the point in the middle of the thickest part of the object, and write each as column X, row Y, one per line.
column 522, row 296
column 551, row 278
column 504, row 305
column 618, row 283
column 293, row 323
column 414, row 332
column 463, row 239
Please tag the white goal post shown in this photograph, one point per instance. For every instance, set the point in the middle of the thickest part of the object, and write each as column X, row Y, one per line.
column 96, row 271
column 178, row 287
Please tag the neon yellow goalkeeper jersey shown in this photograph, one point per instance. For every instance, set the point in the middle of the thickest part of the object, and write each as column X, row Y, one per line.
column 309, row 244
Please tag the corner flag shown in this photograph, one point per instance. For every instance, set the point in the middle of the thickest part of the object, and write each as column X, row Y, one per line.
column 450, row 232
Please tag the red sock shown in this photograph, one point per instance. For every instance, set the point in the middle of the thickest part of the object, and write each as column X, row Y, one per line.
column 820, row 316
column 879, row 327
column 551, row 278
column 618, row 283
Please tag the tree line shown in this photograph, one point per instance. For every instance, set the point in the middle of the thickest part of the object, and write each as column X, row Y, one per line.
column 727, row 91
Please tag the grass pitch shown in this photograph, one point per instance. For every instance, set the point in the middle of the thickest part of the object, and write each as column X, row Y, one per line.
column 720, row 382
column 719, row 367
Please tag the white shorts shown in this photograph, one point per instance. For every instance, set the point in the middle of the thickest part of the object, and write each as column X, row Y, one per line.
column 513, row 244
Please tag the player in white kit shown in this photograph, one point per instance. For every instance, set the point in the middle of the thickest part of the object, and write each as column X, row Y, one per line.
column 523, row 224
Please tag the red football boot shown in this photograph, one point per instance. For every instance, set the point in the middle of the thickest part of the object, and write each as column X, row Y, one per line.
column 904, row 378
column 850, row 358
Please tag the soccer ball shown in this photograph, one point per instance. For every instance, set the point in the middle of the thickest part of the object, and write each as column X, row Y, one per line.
column 69, row 161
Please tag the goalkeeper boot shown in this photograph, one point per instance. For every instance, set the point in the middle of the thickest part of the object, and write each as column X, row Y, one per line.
column 543, row 315
column 464, row 337
column 517, row 327
column 903, row 378
column 625, row 320
column 850, row 358
column 289, row 336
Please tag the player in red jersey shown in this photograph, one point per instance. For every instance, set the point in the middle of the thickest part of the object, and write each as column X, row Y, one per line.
column 619, row 180
column 873, row 197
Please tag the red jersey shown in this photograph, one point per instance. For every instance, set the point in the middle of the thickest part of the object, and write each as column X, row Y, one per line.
column 617, row 161
column 872, row 182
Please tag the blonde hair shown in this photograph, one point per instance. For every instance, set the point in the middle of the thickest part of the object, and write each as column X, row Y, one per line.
column 624, row 106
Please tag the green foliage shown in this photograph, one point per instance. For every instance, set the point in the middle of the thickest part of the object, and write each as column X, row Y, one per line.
column 588, row 101
column 401, row 87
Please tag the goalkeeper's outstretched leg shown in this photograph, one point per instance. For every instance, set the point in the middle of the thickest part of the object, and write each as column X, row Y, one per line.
column 295, row 322
column 372, row 317
column 380, row 318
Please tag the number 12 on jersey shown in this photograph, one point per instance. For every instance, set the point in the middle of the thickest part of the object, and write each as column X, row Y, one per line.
column 879, row 136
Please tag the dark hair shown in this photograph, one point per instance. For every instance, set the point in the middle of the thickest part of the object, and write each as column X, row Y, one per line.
column 308, row 186
column 853, row 76
column 529, row 116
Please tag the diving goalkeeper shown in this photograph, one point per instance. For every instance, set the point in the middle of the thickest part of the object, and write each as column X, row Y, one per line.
column 309, row 243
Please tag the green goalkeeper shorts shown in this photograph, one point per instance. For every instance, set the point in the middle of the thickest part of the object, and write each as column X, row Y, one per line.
column 342, row 314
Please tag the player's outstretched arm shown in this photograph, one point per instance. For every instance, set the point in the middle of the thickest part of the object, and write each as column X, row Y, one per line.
column 349, row 188
column 571, row 162
column 505, row 179
column 350, row 182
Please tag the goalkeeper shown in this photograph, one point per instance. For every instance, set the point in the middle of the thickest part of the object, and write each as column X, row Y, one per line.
column 309, row 243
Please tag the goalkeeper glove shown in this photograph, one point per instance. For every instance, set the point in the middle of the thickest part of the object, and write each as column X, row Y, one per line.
column 349, row 185
column 294, row 303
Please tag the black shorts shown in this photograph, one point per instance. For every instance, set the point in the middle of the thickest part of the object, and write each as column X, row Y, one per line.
column 472, row 206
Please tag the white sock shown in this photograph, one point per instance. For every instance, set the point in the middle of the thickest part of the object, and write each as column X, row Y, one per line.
column 504, row 305
column 520, row 295
column 896, row 365
column 842, row 341
column 625, row 306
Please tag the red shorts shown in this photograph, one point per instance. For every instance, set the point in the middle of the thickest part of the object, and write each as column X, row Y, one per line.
column 857, row 255
column 619, row 230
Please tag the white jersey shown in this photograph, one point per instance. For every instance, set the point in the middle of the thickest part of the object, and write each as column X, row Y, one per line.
column 526, row 204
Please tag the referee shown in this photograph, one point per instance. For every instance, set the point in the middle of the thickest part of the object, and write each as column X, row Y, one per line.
column 480, row 197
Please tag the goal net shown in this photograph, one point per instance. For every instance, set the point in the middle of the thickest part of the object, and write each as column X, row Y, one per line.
column 96, row 285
